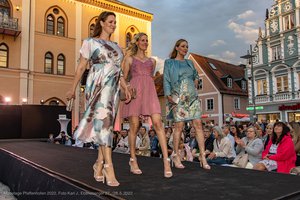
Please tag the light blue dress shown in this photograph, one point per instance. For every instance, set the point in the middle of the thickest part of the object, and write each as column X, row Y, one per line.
column 179, row 77
column 101, row 91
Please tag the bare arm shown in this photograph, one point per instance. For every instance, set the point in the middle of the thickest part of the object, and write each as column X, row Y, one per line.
column 83, row 62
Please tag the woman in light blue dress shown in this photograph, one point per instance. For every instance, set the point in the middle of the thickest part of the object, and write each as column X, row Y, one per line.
column 101, row 93
column 180, row 81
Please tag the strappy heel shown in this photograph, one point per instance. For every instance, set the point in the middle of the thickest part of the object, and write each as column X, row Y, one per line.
column 134, row 171
column 204, row 166
column 113, row 183
column 168, row 174
column 180, row 165
column 96, row 170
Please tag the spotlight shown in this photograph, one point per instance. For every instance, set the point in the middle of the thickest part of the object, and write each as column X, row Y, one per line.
column 24, row 100
column 7, row 99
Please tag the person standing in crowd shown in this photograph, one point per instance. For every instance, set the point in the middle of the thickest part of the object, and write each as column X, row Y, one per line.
column 141, row 69
column 279, row 154
column 104, row 58
column 180, row 83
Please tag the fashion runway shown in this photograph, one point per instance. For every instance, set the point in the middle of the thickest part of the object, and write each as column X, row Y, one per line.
column 40, row 170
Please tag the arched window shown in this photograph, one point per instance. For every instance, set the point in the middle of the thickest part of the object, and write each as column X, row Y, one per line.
column 128, row 39
column 3, row 55
column 61, row 64
column 92, row 27
column 4, row 9
column 48, row 63
column 50, row 25
column 60, row 26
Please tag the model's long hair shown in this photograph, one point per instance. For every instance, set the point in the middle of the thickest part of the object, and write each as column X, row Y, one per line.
column 132, row 48
column 285, row 131
column 102, row 17
column 173, row 54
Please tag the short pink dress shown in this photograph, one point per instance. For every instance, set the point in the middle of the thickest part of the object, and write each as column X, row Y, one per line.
column 146, row 102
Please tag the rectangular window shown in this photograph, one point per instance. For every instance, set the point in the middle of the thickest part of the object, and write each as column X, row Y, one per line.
column 244, row 85
column 200, row 84
column 288, row 22
column 282, row 84
column 48, row 66
column 50, row 27
column 60, row 67
column 237, row 104
column 276, row 53
column 3, row 58
column 210, row 104
column 262, row 87
column 229, row 82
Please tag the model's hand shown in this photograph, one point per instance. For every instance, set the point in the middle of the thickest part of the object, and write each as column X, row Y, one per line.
column 70, row 95
column 127, row 94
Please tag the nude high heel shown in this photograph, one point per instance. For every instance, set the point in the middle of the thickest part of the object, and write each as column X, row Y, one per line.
column 180, row 165
column 168, row 174
column 96, row 169
column 204, row 166
column 134, row 171
column 113, row 183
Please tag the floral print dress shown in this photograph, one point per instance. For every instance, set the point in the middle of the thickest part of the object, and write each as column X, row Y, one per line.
column 188, row 107
column 101, row 91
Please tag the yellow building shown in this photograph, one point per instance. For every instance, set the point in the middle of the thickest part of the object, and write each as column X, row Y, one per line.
column 40, row 42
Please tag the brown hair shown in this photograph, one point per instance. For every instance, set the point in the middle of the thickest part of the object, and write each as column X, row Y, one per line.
column 174, row 51
column 102, row 17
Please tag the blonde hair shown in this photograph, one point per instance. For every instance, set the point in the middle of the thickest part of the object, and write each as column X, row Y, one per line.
column 173, row 54
column 132, row 47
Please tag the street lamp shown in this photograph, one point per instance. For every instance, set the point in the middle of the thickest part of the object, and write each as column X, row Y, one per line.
column 249, row 57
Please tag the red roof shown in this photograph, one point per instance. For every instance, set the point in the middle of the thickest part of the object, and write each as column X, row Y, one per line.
column 222, row 70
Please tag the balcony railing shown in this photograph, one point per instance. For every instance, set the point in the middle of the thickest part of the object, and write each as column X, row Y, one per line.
column 282, row 96
column 9, row 26
column 262, row 99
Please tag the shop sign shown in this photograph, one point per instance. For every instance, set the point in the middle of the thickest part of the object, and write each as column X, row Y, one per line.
column 292, row 107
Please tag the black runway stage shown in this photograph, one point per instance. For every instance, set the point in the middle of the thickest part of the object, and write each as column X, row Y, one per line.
column 39, row 170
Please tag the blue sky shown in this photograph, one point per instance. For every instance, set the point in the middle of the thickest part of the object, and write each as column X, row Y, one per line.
column 221, row 29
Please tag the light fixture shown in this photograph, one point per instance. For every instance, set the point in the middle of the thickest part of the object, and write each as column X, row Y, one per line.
column 7, row 100
column 42, row 101
column 24, row 100
column 17, row 7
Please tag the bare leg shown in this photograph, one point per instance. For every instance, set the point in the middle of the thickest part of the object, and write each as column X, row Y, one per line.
column 200, row 139
column 176, row 138
column 98, row 166
column 260, row 167
column 108, row 170
column 156, row 119
column 134, row 126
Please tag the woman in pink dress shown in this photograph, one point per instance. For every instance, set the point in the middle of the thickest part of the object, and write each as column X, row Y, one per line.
column 146, row 103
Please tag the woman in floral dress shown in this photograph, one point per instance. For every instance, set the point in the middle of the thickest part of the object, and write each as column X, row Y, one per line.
column 101, row 93
column 180, row 81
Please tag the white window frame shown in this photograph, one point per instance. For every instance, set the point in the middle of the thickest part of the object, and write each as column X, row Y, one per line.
column 229, row 82
column 237, row 103
column 282, row 83
column 200, row 80
column 276, row 52
column 206, row 106
column 260, row 84
column 288, row 22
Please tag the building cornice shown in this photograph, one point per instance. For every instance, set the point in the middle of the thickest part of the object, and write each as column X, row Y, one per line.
column 120, row 8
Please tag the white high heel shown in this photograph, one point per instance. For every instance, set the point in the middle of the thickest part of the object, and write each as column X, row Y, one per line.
column 134, row 171
column 113, row 183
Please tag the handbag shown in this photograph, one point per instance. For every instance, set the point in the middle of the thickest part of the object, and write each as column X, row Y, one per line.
column 123, row 96
column 241, row 160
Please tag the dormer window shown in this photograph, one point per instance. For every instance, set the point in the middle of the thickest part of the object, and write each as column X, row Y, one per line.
column 229, row 82
column 244, row 85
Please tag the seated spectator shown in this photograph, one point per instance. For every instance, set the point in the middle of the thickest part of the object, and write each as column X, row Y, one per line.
column 154, row 143
column 208, row 142
column 61, row 138
column 122, row 146
column 144, row 147
column 115, row 139
column 279, row 154
column 250, row 145
column 68, row 141
column 267, row 137
column 235, row 132
column 296, row 139
column 226, row 131
column 51, row 138
column 222, row 152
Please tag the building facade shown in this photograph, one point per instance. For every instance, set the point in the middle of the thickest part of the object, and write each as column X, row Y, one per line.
column 276, row 64
column 40, row 42
column 222, row 90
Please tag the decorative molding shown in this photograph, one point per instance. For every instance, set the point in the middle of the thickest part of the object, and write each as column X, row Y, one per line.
column 120, row 8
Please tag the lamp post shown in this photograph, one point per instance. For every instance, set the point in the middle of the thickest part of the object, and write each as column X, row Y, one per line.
column 249, row 57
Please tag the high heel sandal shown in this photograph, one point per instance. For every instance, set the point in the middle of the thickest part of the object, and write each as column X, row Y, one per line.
column 95, row 168
column 179, row 166
column 168, row 174
column 113, row 183
column 134, row 171
column 204, row 166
